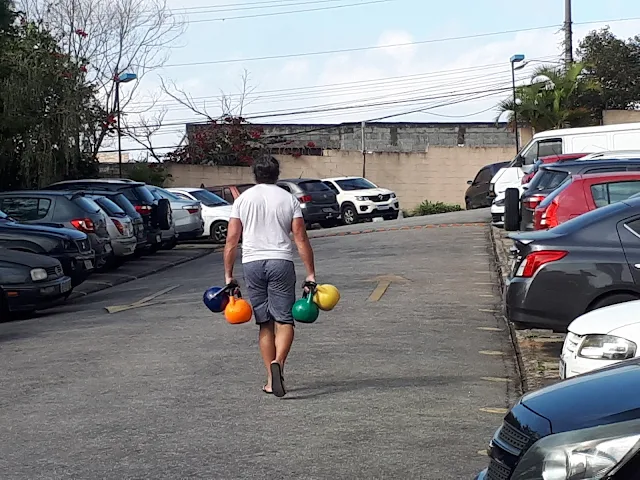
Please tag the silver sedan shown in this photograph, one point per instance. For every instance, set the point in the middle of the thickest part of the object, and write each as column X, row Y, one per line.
column 187, row 214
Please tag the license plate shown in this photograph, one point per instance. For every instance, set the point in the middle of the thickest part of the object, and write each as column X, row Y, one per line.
column 327, row 210
column 563, row 369
column 383, row 207
column 65, row 287
column 158, row 238
column 107, row 248
column 88, row 264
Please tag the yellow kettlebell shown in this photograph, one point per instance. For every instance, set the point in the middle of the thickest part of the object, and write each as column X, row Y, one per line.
column 326, row 297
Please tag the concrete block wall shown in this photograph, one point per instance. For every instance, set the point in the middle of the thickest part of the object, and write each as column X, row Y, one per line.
column 440, row 174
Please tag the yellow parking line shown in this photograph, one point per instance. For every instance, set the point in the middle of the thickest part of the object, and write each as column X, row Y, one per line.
column 490, row 329
column 495, row 379
column 499, row 411
column 490, row 352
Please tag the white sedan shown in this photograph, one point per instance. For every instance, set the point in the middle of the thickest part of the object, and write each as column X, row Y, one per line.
column 601, row 338
column 215, row 211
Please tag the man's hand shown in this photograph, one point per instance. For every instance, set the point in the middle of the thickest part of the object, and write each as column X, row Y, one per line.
column 310, row 278
column 229, row 280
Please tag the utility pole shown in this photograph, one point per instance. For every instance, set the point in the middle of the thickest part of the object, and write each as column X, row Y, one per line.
column 568, row 35
column 364, row 151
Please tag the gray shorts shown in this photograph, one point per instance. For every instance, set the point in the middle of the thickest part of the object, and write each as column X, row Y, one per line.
column 271, row 285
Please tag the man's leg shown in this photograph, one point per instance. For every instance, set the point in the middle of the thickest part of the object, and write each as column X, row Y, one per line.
column 256, row 282
column 281, row 284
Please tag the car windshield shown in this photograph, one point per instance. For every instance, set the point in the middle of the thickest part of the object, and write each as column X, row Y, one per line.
column 144, row 194
column 168, row 195
column 313, row 186
column 87, row 204
column 355, row 184
column 207, row 198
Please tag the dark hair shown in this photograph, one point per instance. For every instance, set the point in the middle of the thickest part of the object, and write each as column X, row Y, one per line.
column 266, row 169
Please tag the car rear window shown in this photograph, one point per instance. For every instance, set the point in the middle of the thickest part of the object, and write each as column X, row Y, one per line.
column 548, row 179
column 207, row 198
column 144, row 194
column 110, row 207
column 87, row 204
column 124, row 203
column 313, row 186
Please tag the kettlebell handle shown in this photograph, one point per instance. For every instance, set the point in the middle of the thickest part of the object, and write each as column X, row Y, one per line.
column 311, row 286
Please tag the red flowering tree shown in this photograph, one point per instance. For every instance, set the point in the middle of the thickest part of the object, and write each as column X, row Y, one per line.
column 226, row 141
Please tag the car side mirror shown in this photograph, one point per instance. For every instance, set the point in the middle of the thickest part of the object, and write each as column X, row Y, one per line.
column 518, row 161
column 469, row 182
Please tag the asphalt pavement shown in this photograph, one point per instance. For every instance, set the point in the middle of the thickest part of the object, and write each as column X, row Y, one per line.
column 412, row 385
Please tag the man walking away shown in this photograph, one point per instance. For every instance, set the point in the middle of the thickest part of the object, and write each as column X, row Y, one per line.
column 264, row 217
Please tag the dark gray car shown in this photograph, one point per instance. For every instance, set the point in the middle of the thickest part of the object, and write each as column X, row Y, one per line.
column 318, row 202
column 589, row 262
column 62, row 209
column 551, row 176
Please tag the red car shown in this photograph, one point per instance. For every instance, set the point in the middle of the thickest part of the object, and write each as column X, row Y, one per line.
column 583, row 193
column 565, row 157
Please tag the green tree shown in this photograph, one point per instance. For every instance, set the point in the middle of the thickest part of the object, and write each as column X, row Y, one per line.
column 49, row 115
column 553, row 99
column 615, row 65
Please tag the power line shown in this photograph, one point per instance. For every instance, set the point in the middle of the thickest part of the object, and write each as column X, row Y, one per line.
column 257, row 5
column 405, row 44
column 289, row 12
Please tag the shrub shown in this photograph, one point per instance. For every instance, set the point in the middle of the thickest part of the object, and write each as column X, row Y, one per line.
column 431, row 208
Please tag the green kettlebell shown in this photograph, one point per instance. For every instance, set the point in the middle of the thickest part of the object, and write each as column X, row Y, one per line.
column 305, row 310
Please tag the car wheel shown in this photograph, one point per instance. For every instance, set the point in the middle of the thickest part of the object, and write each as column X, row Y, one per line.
column 4, row 308
column 511, row 209
column 393, row 216
column 349, row 215
column 165, row 217
column 612, row 300
column 218, row 231
column 171, row 244
column 467, row 204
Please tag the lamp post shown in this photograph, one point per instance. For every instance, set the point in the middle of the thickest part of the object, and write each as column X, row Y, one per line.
column 122, row 78
column 515, row 59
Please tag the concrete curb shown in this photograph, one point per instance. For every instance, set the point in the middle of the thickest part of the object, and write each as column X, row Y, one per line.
column 394, row 229
column 500, row 260
column 102, row 285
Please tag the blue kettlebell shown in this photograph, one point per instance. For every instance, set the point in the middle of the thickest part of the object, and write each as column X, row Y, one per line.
column 216, row 298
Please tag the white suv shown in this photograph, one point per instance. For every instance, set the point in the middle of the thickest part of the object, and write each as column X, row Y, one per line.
column 360, row 199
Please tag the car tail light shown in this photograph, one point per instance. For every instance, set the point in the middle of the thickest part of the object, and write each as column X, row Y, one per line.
column 191, row 210
column 85, row 225
column 305, row 199
column 143, row 209
column 549, row 217
column 536, row 260
column 118, row 225
column 537, row 218
column 533, row 201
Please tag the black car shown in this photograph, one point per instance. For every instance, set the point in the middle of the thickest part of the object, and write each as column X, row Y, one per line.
column 156, row 214
column 551, row 176
column 124, row 203
column 61, row 209
column 588, row 262
column 318, row 202
column 477, row 195
column 587, row 427
column 30, row 282
column 68, row 246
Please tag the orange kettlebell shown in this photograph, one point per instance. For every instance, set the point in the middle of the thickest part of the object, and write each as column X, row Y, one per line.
column 237, row 310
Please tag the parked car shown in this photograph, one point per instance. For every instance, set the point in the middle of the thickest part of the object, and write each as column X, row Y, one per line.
column 229, row 192
column 585, row 428
column 62, row 209
column 119, row 226
column 136, row 219
column 187, row 214
column 567, row 140
column 170, row 235
column 361, row 199
column 587, row 263
column 155, row 214
column 601, row 338
column 547, row 160
column 215, row 211
column 68, row 246
column 548, row 178
column 30, row 282
column 582, row 193
column 477, row 195
column 317, row 201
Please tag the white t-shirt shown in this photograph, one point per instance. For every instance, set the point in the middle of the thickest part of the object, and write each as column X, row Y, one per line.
column 266, row 212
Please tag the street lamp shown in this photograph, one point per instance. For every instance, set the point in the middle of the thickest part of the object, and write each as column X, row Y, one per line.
column 124, row 77
column 515, row 59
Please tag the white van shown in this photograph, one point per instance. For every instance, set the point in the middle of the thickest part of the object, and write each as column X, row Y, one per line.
column 567, row 140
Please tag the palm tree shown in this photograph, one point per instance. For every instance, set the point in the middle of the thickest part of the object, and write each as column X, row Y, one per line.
column 552, row 99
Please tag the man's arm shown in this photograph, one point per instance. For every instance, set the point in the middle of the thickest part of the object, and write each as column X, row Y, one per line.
column 234, row 231
column 304, row 247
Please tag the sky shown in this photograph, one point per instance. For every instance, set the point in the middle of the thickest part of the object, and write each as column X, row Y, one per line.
column 452, row 64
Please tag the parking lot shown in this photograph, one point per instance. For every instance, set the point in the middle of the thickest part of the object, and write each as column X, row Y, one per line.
column 408, row 385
